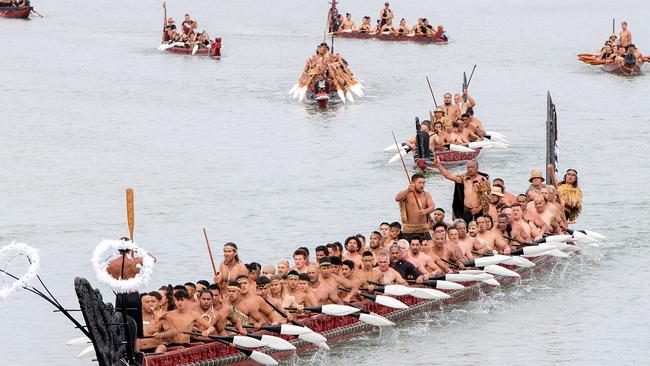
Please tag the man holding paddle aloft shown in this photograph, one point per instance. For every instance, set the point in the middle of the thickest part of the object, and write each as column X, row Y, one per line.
column 415, row 207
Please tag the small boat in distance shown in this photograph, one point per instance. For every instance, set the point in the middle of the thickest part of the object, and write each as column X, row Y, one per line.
column 15, row 9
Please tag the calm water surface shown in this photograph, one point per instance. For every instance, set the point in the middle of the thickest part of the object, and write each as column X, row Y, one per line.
column 92, row 108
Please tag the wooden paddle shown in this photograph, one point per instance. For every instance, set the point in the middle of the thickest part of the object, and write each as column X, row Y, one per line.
column 406, row 170
column 207, row 243
column 431, row 90
column 130, row 215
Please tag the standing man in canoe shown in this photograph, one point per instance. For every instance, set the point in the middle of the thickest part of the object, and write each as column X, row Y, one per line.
column 472, row 188
column 385, row 14
column 231, row 267
column 626, row 36
column 415, row 206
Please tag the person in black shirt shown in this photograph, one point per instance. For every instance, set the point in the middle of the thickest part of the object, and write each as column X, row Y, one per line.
column 405, row 268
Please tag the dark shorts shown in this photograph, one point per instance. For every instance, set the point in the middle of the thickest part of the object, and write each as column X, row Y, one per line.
column 469, row 216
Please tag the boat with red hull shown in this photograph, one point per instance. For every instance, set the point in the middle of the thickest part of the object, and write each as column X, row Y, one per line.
column 438, row 37
column 16, row 12
column 214, row 51
column 621, row 68
column 448, row 158
column 335, row 329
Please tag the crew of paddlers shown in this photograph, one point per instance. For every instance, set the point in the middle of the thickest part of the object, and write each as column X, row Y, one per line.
column 383, row 25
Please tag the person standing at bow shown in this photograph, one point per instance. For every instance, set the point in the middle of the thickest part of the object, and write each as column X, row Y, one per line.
column 385, row 14
column 415, row 205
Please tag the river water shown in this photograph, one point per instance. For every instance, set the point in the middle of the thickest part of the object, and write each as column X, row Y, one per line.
column 93, row 108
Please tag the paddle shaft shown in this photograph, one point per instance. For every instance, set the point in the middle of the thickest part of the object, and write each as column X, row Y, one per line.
column 399, row 151
column 207, row 242
column 130, row 215
column 470, row 77
column 284, row 315
column 431, row 90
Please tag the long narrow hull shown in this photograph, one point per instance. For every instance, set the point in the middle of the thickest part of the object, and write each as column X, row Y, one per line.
column 214, row 51
column 21, row 12
column 438, row 37
column 335, row 329
column 623, row 69
column 448, row 158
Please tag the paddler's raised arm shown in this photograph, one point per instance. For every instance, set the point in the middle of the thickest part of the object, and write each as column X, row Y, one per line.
column 445, row 173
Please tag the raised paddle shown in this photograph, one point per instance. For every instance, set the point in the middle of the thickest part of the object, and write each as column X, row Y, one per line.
column 270, row 341
column 406, row 172
column 464, row 87
column 431, row 90
column 130, row 216
column 207, row 242
column 470, row 76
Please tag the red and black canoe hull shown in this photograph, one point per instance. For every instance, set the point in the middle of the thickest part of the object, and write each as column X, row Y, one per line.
column 214, row 51
column 623, row 69
column 20, row 12
column 438, row 37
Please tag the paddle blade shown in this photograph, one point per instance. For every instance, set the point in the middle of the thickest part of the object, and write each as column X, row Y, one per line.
column 493, row 133
column 375, row 319
column 396, row 156
column 519, row 262
column 448, row 285
column 247, row 342
column 290, row 329
column 486, row 261
column 341, row 95
column 492, row 282
column 397, row 290
column 262, row 358
column 349, row 96
column 472, row 271
column 556, row 253
column 595, row 235
column 81, row 341
column 392, row 148
column 499, row 139
column 323, row 345
column 194, row 49
column 390, row 302
column 313, row 337
column 556, row 238
column 277, row 343
column 583, row 238
column 478, row 144
column 456, row 277
column 429, row 294
column 460, row 148
column 339, row 310
column 87, row 352
column 537, row 249
column 293, row 88
column 500, row 271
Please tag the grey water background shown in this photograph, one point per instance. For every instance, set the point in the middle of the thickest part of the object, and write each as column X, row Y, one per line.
column 91, row 107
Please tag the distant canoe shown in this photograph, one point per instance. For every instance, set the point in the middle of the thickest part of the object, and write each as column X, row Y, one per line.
column 438, row 37
column 448, row 158
column 623, row 68
column 214, row 51
column 20, row 12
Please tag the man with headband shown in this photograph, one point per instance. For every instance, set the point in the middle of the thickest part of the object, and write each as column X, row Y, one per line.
column 231, row 267
column 254, row 302
column 323, row 284
column 246, row 313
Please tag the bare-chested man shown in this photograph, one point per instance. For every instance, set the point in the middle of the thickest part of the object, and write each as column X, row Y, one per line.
column 349, row 273
column 216, row 313
column 415, row 206
column 495, row 199
column 185, row 320
column 353, row 246
column 544, row 216
column 504, row 228
column 468, row 244
column 384, row 230
column 522, row 230
column 247, row 311
column 463, row 106
column 230, row 268
column 451, row 111
column 453, row 245
column 475, row 186
column 443, row 252
column 626, row 36
column 348, row 23
column 386, row 274
column 323, row 285
column 552, row 197
column 155, row 325
column 375, row 244
column 473, row 123
column 252, row 303
column 467, row 134
column 424, row 263
column 304, row 295
column 490, row 240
